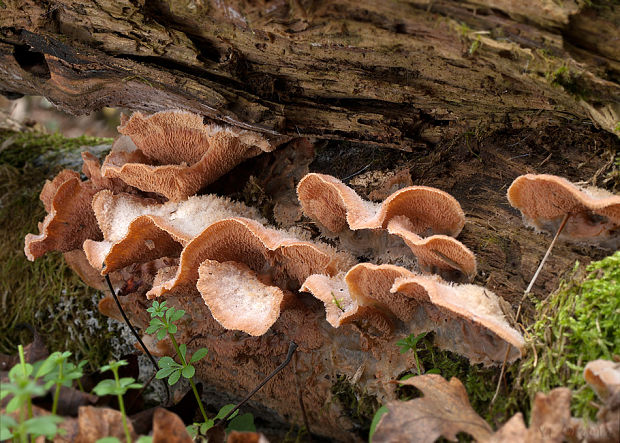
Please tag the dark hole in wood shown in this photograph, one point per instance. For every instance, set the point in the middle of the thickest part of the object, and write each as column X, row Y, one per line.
column 31, row 61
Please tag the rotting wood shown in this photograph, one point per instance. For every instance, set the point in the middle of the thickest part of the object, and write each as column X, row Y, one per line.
column 401, row 74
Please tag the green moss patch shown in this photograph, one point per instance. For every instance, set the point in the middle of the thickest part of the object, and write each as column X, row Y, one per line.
column 578, row 323
column 46, row 293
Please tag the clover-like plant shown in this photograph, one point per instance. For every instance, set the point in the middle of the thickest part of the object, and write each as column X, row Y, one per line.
column 162, row 324
column 118, row 386
column 57, row 370
column 410, row 343
column 23, row 386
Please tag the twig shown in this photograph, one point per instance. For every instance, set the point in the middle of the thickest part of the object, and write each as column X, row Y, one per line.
column 133, row 331
column 525, row 294
column 120, row 308
column 289, row 355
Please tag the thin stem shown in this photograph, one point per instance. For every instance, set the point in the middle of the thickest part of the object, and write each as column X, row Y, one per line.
column 57, row 392
column 121, row 405
column 191, row 381
column 525, row 294
column 291, row 349
column 133, row 331
column 417, row 362
column 22, row 361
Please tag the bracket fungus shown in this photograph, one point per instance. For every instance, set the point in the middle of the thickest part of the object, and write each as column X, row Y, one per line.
column 544, row 200
column 466, row 319
column 138, row 230
column 70, row 219
column 173, row 153
column 408, row 213
column 287, row 260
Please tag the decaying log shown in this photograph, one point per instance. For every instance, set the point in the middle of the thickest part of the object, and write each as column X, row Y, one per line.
column 393, row 73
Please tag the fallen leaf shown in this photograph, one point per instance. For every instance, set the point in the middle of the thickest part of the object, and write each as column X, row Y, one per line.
column 444, row 410
column 169, row 428
column 246, row 437
column 95, row 423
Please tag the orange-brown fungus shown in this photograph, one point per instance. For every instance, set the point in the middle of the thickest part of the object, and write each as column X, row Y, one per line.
column 173, row 153
column 275, row 254
column 544, row 200
column 70, row 219
column 466, row 319
column 409, row 213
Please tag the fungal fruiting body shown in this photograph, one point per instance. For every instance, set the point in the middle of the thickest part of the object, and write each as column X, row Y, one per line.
column 173, row 153
column 544, row 200
column 409, row 213
column 466, row 319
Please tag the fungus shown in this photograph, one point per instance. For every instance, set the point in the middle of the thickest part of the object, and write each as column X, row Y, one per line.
column 237, row 298
column 138, row 230
column 407, row 213
column 70, row 219
column 288, row 260
column 544, row 201
column 466, row 319
column 603, row 376
column 174, row 154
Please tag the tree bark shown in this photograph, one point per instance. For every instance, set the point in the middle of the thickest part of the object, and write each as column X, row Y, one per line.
column 401, row 74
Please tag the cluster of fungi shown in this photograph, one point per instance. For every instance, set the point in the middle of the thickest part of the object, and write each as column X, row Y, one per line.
column 138, row 213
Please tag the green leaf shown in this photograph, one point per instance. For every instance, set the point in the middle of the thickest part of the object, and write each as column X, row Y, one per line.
column 177, row 315
column 105, row 387
column 375, row 420
column 163, row 373
column 169, row 313
column 6, row 424
column 242, row 423
column 15, row 403
column 406, row 377
column 192, row 430
column 432, row 371
column 188, row 371
column 167, row 362
column 46, row 367
column 206, row 426
column 152, row 329
column 225, row 410
column 161, row 334
column 145, row 439
column 46, row 425
column 199, row 355
column 172, row 328
column 108, row 440
column 183, row 350
column 174, row 377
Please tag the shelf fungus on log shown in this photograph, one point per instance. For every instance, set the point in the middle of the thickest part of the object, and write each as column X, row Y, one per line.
column 173, row 153
column 69, row 220
column 278, row 256
column 466, row 319
column 139, row 229
column 409, row 213
column 544, row 200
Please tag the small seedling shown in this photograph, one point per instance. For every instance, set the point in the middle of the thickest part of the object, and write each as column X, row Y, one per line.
column 162, row 324
column 23, row 386
column 410, row 343
column 338, row 302
column 60, row 372
column 118, row 387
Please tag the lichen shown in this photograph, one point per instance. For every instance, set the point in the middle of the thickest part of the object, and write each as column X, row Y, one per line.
column 576, row 324
column 45, row 294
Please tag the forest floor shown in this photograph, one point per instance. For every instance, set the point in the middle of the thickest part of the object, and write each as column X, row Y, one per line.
column 476, row 168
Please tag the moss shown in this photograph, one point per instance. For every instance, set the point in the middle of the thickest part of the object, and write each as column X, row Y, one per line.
column 569, row 80
column 359, row 406
column 576, row 324
column 46, row 293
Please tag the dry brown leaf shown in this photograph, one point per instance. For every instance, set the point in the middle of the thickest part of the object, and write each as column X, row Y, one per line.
column 95, row 423
column 169, row 428
column 444, row 410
